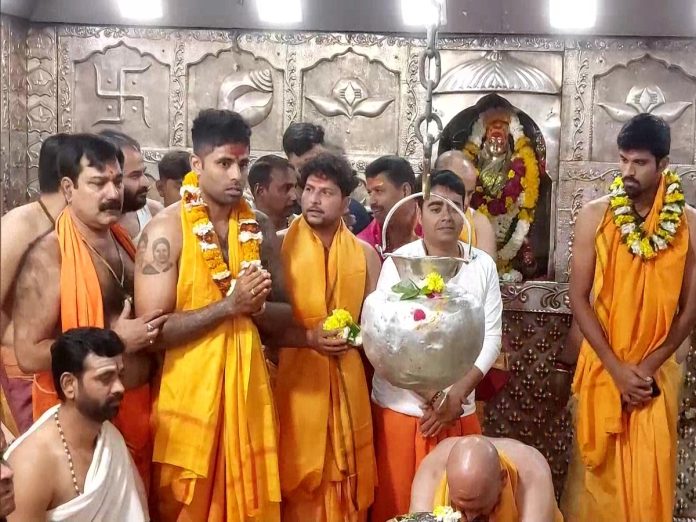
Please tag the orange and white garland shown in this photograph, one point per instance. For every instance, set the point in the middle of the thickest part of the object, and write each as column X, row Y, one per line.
column 640, row 243
column 250, row 236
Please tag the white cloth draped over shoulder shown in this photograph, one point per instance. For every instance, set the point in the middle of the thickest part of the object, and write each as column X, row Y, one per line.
column 113, row 488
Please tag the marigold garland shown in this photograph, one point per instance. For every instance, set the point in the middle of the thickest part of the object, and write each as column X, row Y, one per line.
column 514, row 205
column 633, row 234
column 249, row 236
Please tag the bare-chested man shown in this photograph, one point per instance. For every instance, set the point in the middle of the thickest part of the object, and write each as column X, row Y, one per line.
column 137, row 209
column 483, row 233
column 82, row 275
column 633, row 295
column 73, row 464
column 19, row 228
column 486, row 480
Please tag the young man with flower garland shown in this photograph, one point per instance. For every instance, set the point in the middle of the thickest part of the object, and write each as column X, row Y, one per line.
column 327, row 465
column 406, row 427
column 82, row 275
column 215, row 455
column 633, row 293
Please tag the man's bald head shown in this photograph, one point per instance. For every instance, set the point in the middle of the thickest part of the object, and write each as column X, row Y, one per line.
column 458, row 163
column 474, row 476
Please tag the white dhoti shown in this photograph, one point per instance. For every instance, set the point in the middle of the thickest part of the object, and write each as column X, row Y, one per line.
column 113, row 489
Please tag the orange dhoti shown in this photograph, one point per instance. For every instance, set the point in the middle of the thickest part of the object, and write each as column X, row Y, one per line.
column 80, row 306
column 628, row 458
column 327, row 466
column 399, row 449
column 215, row 450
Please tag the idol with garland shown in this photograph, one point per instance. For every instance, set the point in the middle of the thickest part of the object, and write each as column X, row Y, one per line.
column 507, row 189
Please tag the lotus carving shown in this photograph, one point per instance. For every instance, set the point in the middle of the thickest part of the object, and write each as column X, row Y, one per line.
column 350, row 98
column 648, row 99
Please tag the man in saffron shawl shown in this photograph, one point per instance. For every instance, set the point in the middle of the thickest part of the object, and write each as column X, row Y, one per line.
column 633, row 293
column 327, row 463
column 215, row 456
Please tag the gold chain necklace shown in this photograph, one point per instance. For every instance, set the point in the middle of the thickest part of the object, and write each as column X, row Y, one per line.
column 67, row 452
column 120, row 281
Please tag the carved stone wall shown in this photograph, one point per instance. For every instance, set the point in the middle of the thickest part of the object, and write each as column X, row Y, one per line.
column 13, row 112
column 364, row 89
column 42, row 100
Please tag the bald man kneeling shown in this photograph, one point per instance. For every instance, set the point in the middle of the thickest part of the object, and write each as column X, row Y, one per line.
column 486, row 480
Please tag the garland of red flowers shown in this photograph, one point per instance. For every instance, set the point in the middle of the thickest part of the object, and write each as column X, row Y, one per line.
column 512, row 189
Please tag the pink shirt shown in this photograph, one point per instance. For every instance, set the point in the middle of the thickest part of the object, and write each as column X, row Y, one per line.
column 372, row 234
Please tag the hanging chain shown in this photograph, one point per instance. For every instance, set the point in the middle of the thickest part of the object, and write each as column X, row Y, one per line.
column 425, row 68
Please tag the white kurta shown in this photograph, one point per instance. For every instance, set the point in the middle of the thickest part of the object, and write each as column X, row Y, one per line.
column 113, row 488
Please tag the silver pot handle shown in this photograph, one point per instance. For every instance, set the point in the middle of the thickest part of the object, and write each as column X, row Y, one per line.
column 383, row 246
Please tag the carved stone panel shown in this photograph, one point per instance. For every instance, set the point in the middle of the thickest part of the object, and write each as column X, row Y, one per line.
column 119, row 86
column 4, row 111
column 42, row 102
column 410, row 147
column 605, row 79
column 239, row 81
column 644, row 85
column 501, row 71
column 521, row 410
column 356, row 98
column 13, row 154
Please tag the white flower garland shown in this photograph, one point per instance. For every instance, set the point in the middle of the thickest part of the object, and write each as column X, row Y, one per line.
column 648, row 246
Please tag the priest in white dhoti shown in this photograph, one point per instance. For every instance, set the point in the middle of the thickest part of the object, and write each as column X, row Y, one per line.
column 406, row 426
column 73, row 464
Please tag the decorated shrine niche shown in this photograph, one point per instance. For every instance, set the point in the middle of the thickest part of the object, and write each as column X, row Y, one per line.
column 513, row 189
